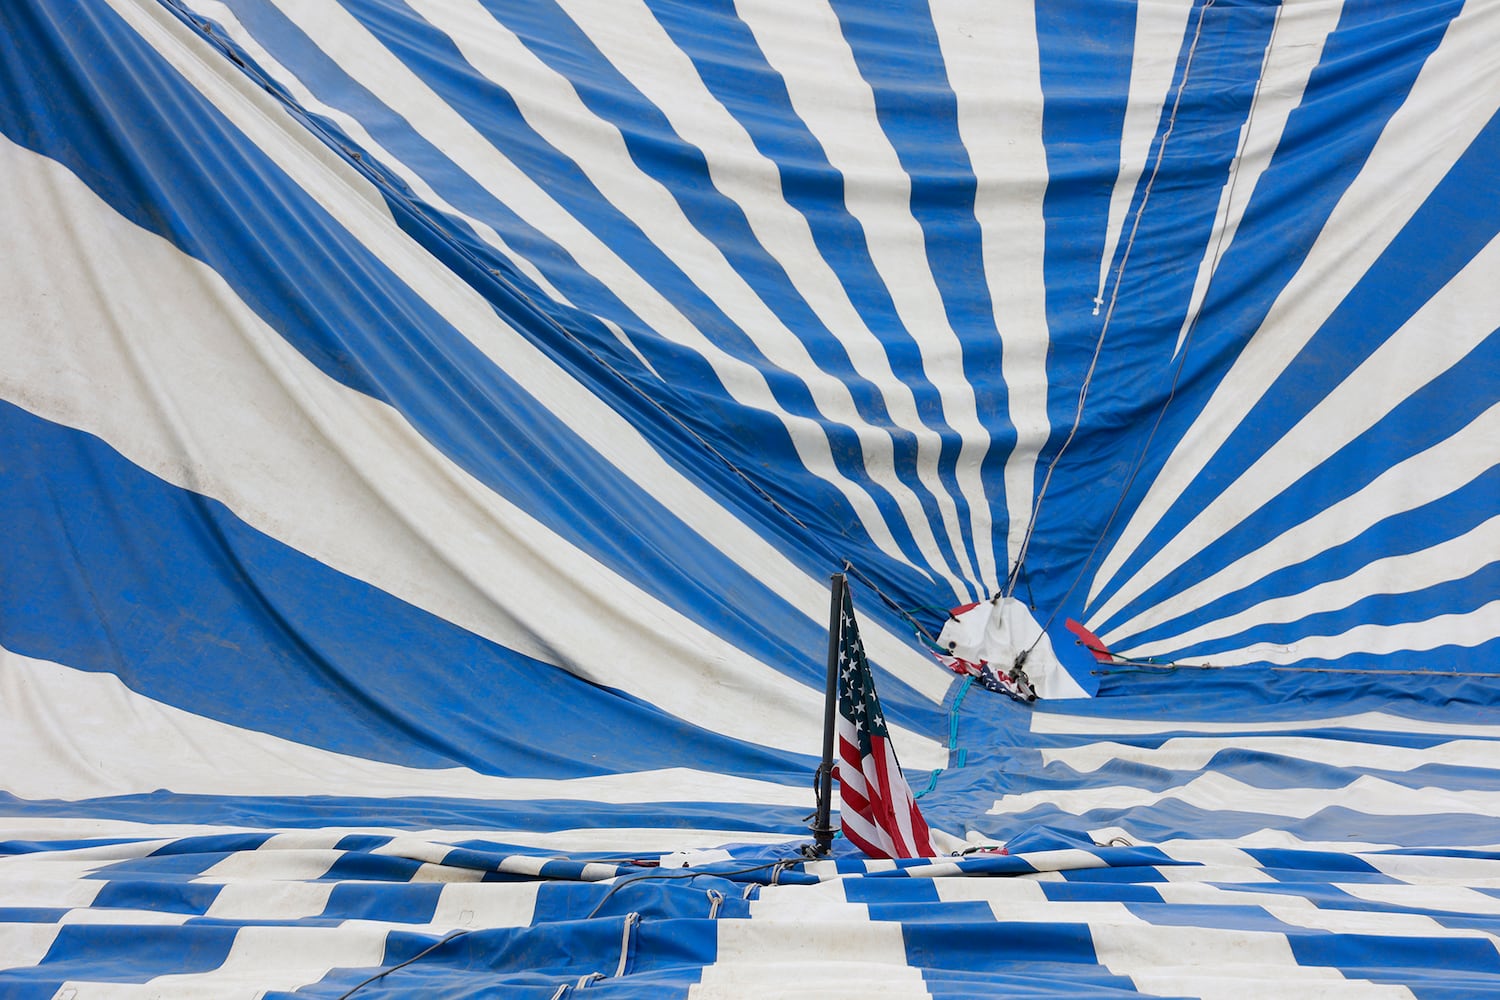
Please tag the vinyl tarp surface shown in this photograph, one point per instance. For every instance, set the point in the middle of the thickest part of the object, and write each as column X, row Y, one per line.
column 427, row 430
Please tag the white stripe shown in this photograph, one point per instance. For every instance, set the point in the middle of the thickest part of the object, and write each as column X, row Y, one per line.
column 1298, row 911
column 1062, row 860
column 1019, row 893
column 273, row 958
column 820, row 903
column 125, row 916
column 414, row 849
column 1047, row 911
column 1269, row 982
column 1229, row 861
column 1366, row 794
column 1189, row 753
column 1445, row 330
column 526, row 866
column 80, row 862
column 439, row 873
column 265, row 897
column 1269, row 837
column 1421, row 479
column 1440, row 895
column 832, row 958
column 804, row 43
column 850, row 773
column 1466, row 631
column 1209, row 962
column 1436, row 869
column 344, row 39
column 17, row 891
column 481, row 905
column 1400, row 574
column 1383, row 722
column 1442, row 114
column 291, row 864
column 1159, row 37
column 24, row 945
column 991, row 54
column 632, row 40
column 314, row 839
column 1212, row 873
column 86, row 735
column 1206, row 894
column 1292, row 52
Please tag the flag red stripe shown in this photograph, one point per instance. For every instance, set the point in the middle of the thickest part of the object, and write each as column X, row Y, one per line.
column 879, row 813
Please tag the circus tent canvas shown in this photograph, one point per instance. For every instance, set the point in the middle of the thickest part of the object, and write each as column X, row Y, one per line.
column 428, row 429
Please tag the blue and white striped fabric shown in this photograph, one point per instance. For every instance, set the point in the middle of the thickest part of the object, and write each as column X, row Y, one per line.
column 427, row 428
column 1162, row 854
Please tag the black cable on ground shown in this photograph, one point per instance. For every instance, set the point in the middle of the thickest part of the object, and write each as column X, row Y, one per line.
column 386, row 972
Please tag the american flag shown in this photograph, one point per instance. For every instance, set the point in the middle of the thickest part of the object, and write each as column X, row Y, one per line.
column 879, row 814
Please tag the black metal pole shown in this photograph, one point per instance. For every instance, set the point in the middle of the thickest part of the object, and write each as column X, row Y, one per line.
column 821, row 828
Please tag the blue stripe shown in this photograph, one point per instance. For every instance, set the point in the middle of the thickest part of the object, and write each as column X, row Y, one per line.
column 32, row 914
column 191, row 607
column 731, row 65
column 132, row 953
column 997, row 946
column 418, row 812
column 1081, row 131
column 1362, row 956
column 411, row 904
column 156, row 894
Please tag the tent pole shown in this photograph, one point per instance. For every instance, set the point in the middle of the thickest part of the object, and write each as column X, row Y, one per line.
column 821, row 829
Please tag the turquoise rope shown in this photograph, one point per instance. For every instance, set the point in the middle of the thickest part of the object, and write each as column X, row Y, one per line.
column 958, row 700
column 963, row 755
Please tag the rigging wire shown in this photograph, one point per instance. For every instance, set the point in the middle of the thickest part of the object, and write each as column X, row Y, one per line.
column 1213, row 272
column 365, row 166
column 390, row 969
column 921, row 630
column 1114, row 297
column 390, row 189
